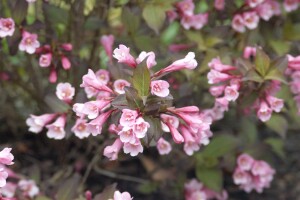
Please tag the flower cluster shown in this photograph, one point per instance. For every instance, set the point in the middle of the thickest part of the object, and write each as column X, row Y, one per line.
column 293, row 71
column 6, row 158
column 195, row 190
column 252, row 174
column 185, row 12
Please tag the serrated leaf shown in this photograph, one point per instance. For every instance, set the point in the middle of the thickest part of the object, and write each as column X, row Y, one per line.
column 262, row 62
column 134, row 101
column 141, row 79
column 154, row 16
column 278, row 124
column 210, row 177
column 277, row 146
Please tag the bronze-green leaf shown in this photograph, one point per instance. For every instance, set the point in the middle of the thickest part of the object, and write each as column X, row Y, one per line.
column 141, row 79
column 262, row 62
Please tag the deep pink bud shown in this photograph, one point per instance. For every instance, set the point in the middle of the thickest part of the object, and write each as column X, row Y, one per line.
column 53, row 75
column 67, row 46
column 65, row 62
column 107, row 42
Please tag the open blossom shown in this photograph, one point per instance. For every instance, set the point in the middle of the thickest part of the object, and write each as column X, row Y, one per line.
column 215, row 76
column 29, row 188
column 194, row 21
column 170, row 124
column 128, row 117
column 294, row 62
column 150, row 58
column 65, row 91
column 254, row 3
column 8, row 190
column 112, row 151
column 216, row 64
column 6, row 158
column 80, row 128
column 160, row 88
column 238, row 23
column 241, row 177
column 276, row 104
column 123, row 56
column 7, row 27
column 264, row 112
column 231, row 92
column 122, row 196
column 245, row 161
column 290, row 5
column 56, row 130
column 140, row 127
column 127, row 135
column 91, row 80
column 163, row 146
column 3, row 177
column 251, row 19
column 45, row 60
column 265, row 11
column 190, row 144
column 119, row 85
column 133, row 149
column 29, row 42
column 92, row 108
column 186, row 7
column 37, row 123
column 103, row 76
column 107, row 42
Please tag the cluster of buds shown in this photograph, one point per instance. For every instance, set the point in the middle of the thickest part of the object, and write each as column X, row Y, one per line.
column 185, row 12
column 254, row 10
column 293, row 71
column 7, row 27
column 252, row 174
column 6, row 158
column 196, row 190
column 56, row 129
column 50, row 55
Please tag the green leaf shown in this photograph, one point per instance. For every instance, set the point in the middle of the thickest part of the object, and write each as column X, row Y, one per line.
column 169, row 35
column 211, row 41
column 252, row 75
column 275, row 74
column 280, row 47
column 280, row 63
column 148, row 188
column 248, row 129
column 69, row 188
column 220, row 145
column 42, row 198
column 131, row 21
column 210, row 177
column 133, row 99
column 154, row 16
column 19, row 11
column 277, row 146
column 262, row 62
column 141, row 79
column 55, row 14
column 278, row 124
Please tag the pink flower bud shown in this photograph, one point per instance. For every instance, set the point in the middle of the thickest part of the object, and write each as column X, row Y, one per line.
column 67, row 46
column 190, row 144
column 150, row 58
column 238, row 23
column 6, row 158
column 160, row 88
column 56, row 130
column 178, row 47
column 107, row 42
column 119, row 86
column 88, row 195
column 66, row 64
column 163, row 146
column 95, row 126
column 251, row 19
column 294, row 62
column 80, row 128
column 7, row 27
column 36, row 123
column 65, row 91
column 245, row 162
column 128, row 117
column 111, row 152
column 123, row 56
column 52, row 75
column 249, row 51
column 45, row 60
column 217, row 65
column 29, row 42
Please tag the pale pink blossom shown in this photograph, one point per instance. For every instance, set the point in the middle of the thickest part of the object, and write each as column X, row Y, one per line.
column 264, row 112
column 265, row 11
column 123, row 56
column 127, row 135
column 67, row 46
column 78, row 109
column 172, row 15
column 194, row 21
column 215, row 76
column 160, row 88
column 111, row 152
column 217, row 65
column 222, row 103
column 8, row 190
column 45, row 60
column 197, row 195
column 170, row 124
column 251, row 19
column 217, row 91
column 163, row 146
column 231, row 93
column 7, row 27
column 29, row 42
column 238, row 23
column 294, row 62
column 249, row 51
column 261, row 168
column 150, row 58
column 219, row 4
column 65, row 91
column 254, row 3
column 29, row 188
column 128, row 117
column 95, row 126
column 91, row 80
column 80, row 128
column 140, row 127
column 115, row 129
column 245, row 162
column 119, row 86
column 186, row 7
column 92, row 108
column 241, row 177
column 6, row 158
column 3, row 177
column 122, row 196
column 66, row 63
column 133, row 149
column 276, row 104
column 103, row 76
column 107, row 42
column 275, row 6
column 190, row 144
column 36, row 123
column 56, row 130
column 290, row 5
column 90, row 92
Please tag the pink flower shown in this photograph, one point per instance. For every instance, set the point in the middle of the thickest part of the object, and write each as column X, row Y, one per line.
column 196, row 196
column 65, row 91
column 115, row 129
column 123, row 56
column 36, row 123
column 251, row 19
column 6, row 158
column 217, row 65
column 150, row 58
column 275, row 6
column 8, row 190
column 107, row 42
column 56, row 130
column 29, row 42
column 238, row 23
column 92, row 108
column 194, row 21
column 231, row 93
column 170, row 124
column 119, row 86
column 122, row 196
column 7, row 27
column 217, row 91
column 265, row 11
column 276, row 104
column 254, row 3
column 111, row 152
column 67, row 46
column 52, row 75
column 90, row 92
column 103, row 76
column 178, row 47
column 290, row 5
column 215, row 76
column 45, row 60
column 186, row 7
column 249, row 51
column 128, row 117
column 172, row 15
column 222, row 103
column 127, row 135
column 219, row 4
column 261, row 168
column 241, row 177
column 245, row 162
column 190, row 144
column 264, row 112
column 3, row 177
column 29, row 188
column 160, row 88
column 133, row 149
column 294, row 62
column 140, row 127
column 80, row 128
column 66, row 64
column 95, row 126
column 163, row 146
column 91, row 80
